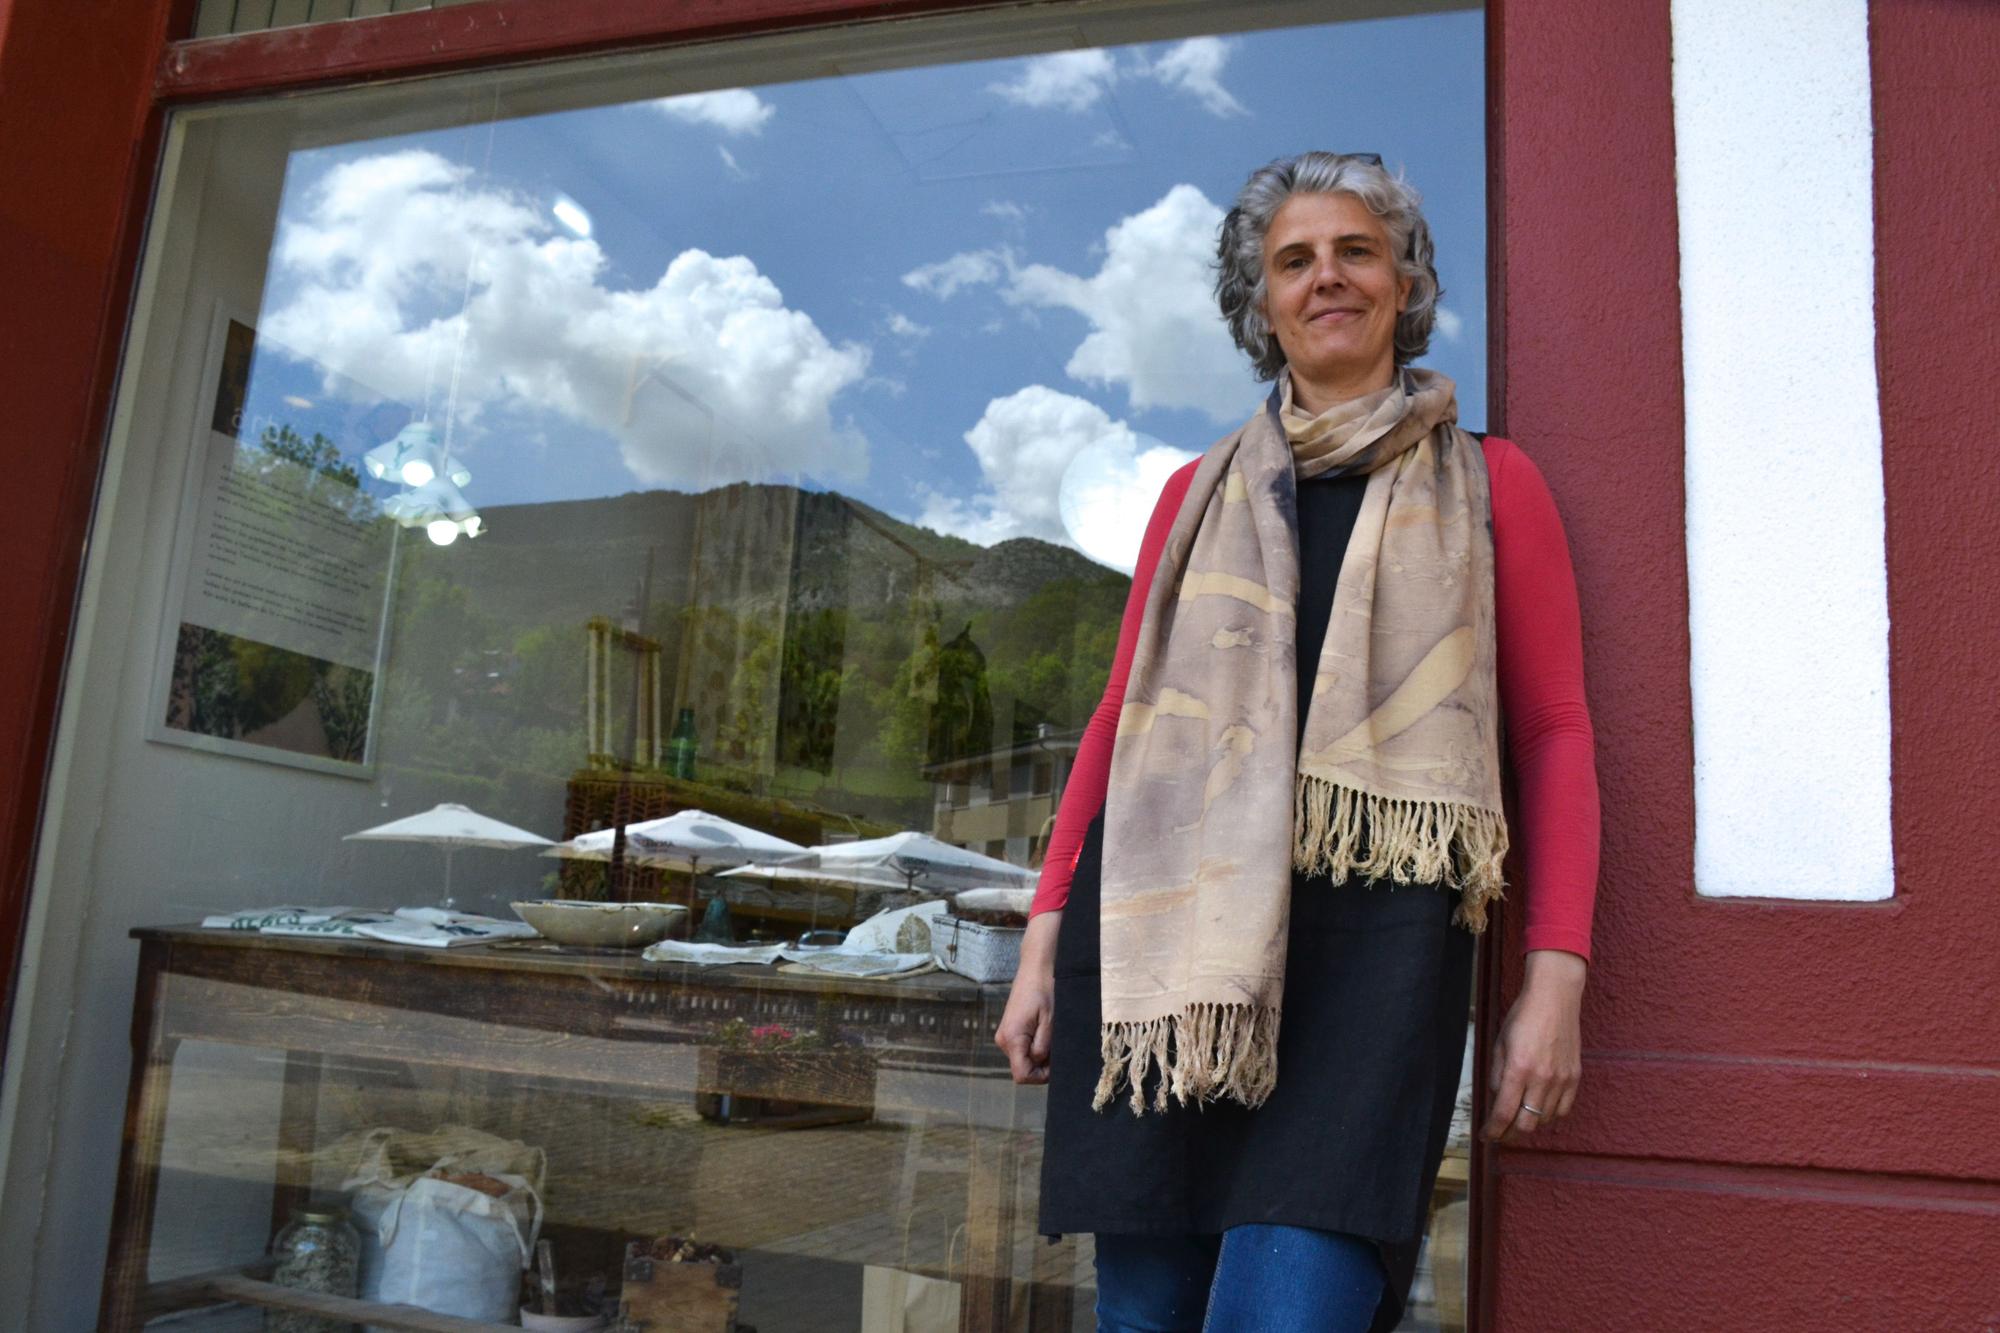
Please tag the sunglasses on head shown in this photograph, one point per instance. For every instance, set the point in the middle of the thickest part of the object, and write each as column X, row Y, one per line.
column 1371, row 159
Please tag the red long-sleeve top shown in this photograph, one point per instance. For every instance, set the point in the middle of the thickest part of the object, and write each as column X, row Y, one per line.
column 1554, row 820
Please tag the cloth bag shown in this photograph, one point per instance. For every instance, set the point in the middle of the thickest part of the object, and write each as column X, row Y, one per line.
column 438, row 1245
column 894, row 1300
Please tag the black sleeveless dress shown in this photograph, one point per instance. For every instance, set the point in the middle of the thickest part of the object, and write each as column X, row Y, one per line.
column 1378, row 987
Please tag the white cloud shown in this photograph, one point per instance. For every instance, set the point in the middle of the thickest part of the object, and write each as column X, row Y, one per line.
column 1006, row 210
column 967, row 269
column 1069, row 80
column 1155, row 328
column 1450, row 324
column 731, row 110
column 729, row 161
column 1194, row 67
column 903, row 326
column 1058, row 468
column 704, row 377
column 1079, row 80
column 979, row 520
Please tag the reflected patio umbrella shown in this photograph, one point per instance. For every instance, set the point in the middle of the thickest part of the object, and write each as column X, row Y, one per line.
column 596, row 844
column 907, row 860
column 451, row 827
column 692, row 841
column 695, row 839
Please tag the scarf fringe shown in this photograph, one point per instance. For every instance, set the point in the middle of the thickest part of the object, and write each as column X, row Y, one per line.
column 1204, row 1051
column 1409, row 842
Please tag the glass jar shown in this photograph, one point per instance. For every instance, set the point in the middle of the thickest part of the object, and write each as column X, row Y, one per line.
column 318, row 1250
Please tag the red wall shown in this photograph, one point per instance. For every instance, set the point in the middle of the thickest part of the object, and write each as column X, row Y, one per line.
column 77, row 140
column 1788, row 1112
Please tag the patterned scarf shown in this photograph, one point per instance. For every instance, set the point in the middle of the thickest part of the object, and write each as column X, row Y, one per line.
column 1397, row 776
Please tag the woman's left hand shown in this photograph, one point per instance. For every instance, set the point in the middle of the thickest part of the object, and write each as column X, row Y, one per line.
column 1538, row 1056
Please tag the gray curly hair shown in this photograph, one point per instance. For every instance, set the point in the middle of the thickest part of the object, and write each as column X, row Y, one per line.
column 1239, row 250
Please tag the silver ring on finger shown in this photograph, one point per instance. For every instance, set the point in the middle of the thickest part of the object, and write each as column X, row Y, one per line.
column 1531, row 1110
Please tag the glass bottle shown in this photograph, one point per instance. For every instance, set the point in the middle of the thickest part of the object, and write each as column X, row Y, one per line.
column 681, row 746
column 318, row 1250
column 717, row 927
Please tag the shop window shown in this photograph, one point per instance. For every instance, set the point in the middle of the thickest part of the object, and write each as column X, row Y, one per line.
column 691, row 490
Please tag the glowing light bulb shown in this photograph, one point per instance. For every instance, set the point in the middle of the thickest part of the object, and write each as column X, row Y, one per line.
column 474, row 526
column 442, row 531
column 417, row 472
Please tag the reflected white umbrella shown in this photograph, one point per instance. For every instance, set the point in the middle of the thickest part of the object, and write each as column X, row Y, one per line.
column 691, row 841
column 596, row 844
column 451, row 827
column 694, row 839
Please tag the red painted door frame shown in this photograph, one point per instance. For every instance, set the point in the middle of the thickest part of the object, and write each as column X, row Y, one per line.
column 1788, row 1110
column 79, row 139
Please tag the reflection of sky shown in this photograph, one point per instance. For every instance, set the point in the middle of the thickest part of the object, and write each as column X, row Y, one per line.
column 848, row 376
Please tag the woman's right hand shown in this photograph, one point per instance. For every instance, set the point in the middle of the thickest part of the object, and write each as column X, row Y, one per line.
column 1024, row 1030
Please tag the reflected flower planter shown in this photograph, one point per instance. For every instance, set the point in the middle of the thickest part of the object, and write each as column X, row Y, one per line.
column 822, row 1085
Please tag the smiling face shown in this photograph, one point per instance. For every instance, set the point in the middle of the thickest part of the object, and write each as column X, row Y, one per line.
column 1332, row 296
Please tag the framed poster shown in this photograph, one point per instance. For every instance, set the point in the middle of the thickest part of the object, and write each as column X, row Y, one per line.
column 277, row 605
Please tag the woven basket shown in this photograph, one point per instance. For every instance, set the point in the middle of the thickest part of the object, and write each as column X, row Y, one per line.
column 981, row 952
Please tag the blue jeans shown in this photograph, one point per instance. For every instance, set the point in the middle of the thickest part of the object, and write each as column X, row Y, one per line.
column 1250, row 1279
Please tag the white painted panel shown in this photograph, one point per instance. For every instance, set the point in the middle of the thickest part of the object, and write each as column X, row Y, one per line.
column 1787, row 583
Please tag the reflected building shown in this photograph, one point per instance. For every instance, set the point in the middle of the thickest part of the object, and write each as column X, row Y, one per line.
column 1003, row 803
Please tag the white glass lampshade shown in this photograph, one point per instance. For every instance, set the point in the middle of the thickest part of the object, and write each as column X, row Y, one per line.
column 435, row 506
column 414, row 458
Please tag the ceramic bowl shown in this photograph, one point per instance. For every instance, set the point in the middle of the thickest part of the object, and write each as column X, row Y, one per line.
column 600, row 925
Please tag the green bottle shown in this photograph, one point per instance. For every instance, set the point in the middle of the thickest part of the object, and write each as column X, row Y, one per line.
column 681, row 747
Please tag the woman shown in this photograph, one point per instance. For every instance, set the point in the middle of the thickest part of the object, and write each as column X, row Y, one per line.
column 1248, row 965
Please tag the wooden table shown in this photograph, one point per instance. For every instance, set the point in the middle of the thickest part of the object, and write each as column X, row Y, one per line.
column 598, row 1018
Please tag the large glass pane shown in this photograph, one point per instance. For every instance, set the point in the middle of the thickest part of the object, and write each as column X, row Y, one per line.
column 609, row 484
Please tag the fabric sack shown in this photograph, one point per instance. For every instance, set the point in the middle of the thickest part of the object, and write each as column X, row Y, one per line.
column 895, row 1301
column 443, row 1246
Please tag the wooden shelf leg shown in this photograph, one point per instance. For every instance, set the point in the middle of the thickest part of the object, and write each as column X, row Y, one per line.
column 298, row 1117
column 989, row 1215
column 127, row 1260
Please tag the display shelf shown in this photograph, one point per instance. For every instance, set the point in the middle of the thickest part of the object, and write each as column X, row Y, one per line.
column 615, row 1027
column 245, row 1289
column 249, row 1289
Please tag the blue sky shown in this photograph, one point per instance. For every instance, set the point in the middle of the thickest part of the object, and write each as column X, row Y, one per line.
column 971, row 295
